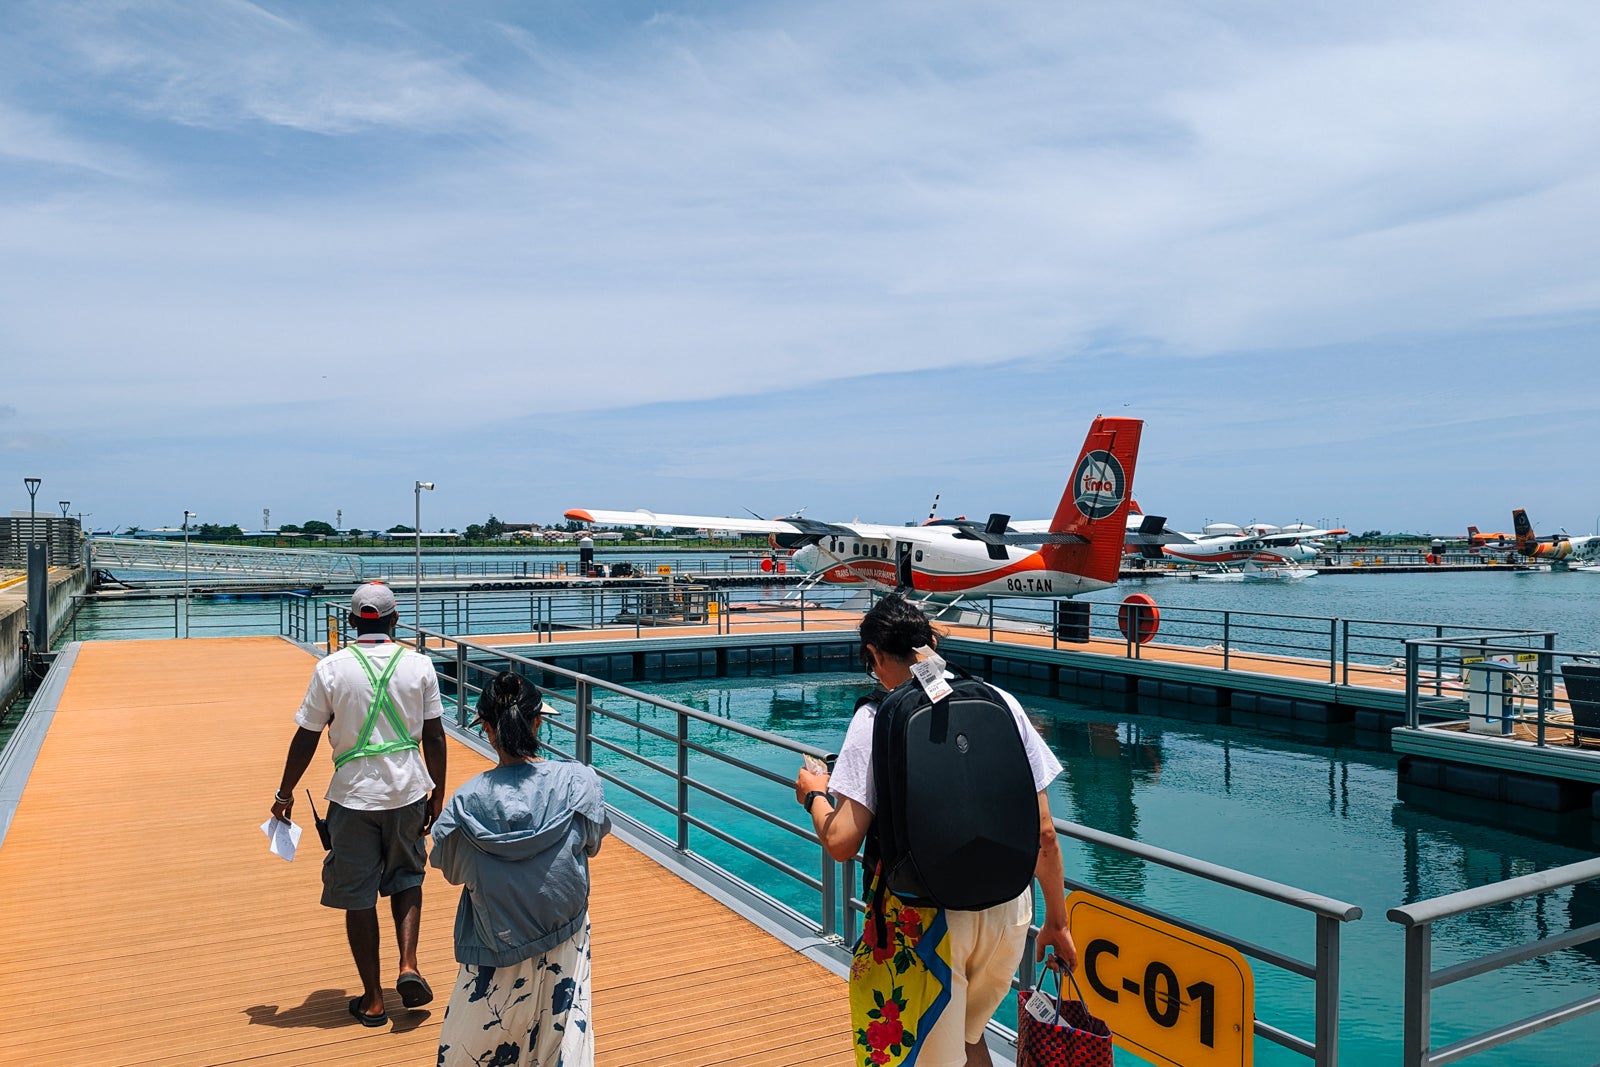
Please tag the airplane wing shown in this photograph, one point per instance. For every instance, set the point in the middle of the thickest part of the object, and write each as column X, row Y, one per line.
column 1295, row 536
column 791, row 525
column 695, row 522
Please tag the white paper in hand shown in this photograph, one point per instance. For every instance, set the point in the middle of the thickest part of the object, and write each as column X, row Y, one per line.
column 282, row 837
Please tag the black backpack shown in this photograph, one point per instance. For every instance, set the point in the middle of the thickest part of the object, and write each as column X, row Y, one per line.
column 957, row 820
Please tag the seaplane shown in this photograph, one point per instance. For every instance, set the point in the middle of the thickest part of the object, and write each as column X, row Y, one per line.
column 945, row 561
column 1578, row 553
column 1258, row 552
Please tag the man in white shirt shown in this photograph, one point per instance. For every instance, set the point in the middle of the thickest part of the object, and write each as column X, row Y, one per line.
column 380, row 704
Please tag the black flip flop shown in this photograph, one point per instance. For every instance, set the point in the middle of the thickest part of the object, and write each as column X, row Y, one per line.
column 414, row 990
column 381, row 1019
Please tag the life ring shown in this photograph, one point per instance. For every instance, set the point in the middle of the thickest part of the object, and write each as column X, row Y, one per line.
column 1140, row 607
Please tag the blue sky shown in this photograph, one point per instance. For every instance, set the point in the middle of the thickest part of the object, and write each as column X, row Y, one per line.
column 1343, row 258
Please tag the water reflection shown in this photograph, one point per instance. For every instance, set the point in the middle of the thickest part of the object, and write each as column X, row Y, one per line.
column 1102, row 763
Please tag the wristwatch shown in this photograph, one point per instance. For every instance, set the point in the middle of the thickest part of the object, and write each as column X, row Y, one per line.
column 812, row 796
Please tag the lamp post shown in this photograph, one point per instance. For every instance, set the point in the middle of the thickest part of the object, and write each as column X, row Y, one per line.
column 32, row 485
column 416, row 530
column 64, row 505
column 187, row 515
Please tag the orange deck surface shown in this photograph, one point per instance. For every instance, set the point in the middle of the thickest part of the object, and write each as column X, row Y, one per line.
column 144, row 921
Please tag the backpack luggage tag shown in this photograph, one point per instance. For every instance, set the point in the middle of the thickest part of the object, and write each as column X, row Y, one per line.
column 929, row 673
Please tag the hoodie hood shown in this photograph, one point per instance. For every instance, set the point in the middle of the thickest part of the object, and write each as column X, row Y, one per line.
column 527, row 808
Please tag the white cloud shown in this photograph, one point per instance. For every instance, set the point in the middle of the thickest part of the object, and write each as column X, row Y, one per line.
column 227, row 62
column 492, row 220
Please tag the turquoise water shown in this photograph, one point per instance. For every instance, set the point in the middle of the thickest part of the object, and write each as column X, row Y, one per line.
column 1324, row 819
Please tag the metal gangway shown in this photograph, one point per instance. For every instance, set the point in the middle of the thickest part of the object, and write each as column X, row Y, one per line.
column 224, row 561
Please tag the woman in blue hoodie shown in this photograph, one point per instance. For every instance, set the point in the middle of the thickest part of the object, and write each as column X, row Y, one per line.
column 517, row 838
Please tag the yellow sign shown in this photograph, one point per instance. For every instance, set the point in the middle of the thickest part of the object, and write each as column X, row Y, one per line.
column 1169, row 995
column 712, row 607
column 663, row 568
column 333, row 633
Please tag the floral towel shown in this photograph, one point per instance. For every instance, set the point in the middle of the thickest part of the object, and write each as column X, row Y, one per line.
column 532, row 1014
column 899, row 987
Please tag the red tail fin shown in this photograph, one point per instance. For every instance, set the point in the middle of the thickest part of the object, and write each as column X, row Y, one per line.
column 1095, row 504
column 1472, row 531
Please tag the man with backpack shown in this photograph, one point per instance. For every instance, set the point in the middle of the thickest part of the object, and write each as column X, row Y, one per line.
column 943, row 778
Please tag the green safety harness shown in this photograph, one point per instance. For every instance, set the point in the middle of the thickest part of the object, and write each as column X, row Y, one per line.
column 382, row 704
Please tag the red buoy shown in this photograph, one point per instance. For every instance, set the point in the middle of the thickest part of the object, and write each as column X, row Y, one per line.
column 1138, row 610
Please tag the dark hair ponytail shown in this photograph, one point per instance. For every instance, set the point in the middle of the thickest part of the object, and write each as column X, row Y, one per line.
column 512, row 705
column 896, row 627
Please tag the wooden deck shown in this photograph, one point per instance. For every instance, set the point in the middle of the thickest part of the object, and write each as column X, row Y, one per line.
column 144, row 921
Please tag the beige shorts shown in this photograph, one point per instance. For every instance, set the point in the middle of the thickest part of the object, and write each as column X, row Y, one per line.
column 985, row 949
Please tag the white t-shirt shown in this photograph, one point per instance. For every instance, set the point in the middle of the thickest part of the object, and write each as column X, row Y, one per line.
column 852, row 771
column 338, row 698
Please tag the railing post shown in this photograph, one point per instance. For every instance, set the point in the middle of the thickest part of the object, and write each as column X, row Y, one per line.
column 1418, row 992
column 683, row 782
column 1333, row 651
column 1547, row 691
column 1438, row 662
column 1413, row 718
column 847, row 882
column 582, row 723
column 1327, row 994
column 1227, row 637
column 1344, row 649
column 991, row 620
column 1025, row 975
column 461, row 686
column 830, row 893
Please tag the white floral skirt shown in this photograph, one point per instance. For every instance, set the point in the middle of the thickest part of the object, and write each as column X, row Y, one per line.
column 531, row 1014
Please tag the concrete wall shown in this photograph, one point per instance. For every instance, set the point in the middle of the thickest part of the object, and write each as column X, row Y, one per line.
column 64, row 585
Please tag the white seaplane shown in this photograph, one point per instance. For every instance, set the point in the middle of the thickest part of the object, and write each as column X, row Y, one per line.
column 945, row 561
column 1254, row 553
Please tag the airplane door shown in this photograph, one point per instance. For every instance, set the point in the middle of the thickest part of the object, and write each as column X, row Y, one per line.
column 902, row 564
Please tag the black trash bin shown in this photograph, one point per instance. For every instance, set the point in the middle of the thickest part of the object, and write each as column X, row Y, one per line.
column 1583, row 694
column 1072, row 621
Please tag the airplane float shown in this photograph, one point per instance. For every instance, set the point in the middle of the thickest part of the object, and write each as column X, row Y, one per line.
column 1558, row 549
column 1260, row 552
column 945, row 561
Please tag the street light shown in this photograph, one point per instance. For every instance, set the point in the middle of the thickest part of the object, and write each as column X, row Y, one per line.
column 32, row 485
column 416, row 529
column 64, row 505
column 187, row 515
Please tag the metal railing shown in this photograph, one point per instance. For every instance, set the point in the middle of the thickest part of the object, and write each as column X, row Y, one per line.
column 539, row 617
column 164, row 615
column 201, row 559
column 1341, row 649
column 1503, row 679
column 1422, row 978
column 1328, row 915
column 667, row 757
column 654, row 762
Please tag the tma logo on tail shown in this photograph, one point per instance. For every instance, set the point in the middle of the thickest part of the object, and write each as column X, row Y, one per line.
column 1100, row 485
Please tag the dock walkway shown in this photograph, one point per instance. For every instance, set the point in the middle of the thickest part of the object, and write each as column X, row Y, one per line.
column 144, row 921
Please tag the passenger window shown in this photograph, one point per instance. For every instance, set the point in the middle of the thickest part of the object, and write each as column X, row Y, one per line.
column 919, row 555
column 855, row 549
